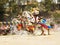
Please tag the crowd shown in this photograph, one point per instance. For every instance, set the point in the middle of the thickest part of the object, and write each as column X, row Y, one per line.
column 26, row 22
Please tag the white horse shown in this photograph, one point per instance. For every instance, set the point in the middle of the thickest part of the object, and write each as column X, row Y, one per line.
column 15, row 23
column 28, row 15
column 29, row 19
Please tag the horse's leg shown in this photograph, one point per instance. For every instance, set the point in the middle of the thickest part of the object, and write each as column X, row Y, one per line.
column 32, row 31
column 42, row 31
column 48, row 31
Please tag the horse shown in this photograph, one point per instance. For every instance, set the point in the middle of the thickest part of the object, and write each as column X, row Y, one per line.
column 28, row 19
column 44, row 24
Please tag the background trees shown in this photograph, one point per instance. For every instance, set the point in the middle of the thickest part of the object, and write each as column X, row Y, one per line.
column 13, row 7
column 2, row 10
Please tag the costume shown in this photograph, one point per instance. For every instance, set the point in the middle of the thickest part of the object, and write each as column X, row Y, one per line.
column 30, row 26
column 44, row 23
column 19, row 26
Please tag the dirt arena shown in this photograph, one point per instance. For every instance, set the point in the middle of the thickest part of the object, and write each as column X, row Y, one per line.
column 53, row 39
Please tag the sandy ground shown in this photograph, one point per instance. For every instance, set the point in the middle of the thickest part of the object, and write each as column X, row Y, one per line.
column 53, row 39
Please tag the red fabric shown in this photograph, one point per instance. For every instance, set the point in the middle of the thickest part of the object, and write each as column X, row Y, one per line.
column 31, row 27
column 19, row 26
column 45, row 26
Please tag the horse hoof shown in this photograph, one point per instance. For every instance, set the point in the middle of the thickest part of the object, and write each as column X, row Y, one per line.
column 49, row 34
column 43, row 34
